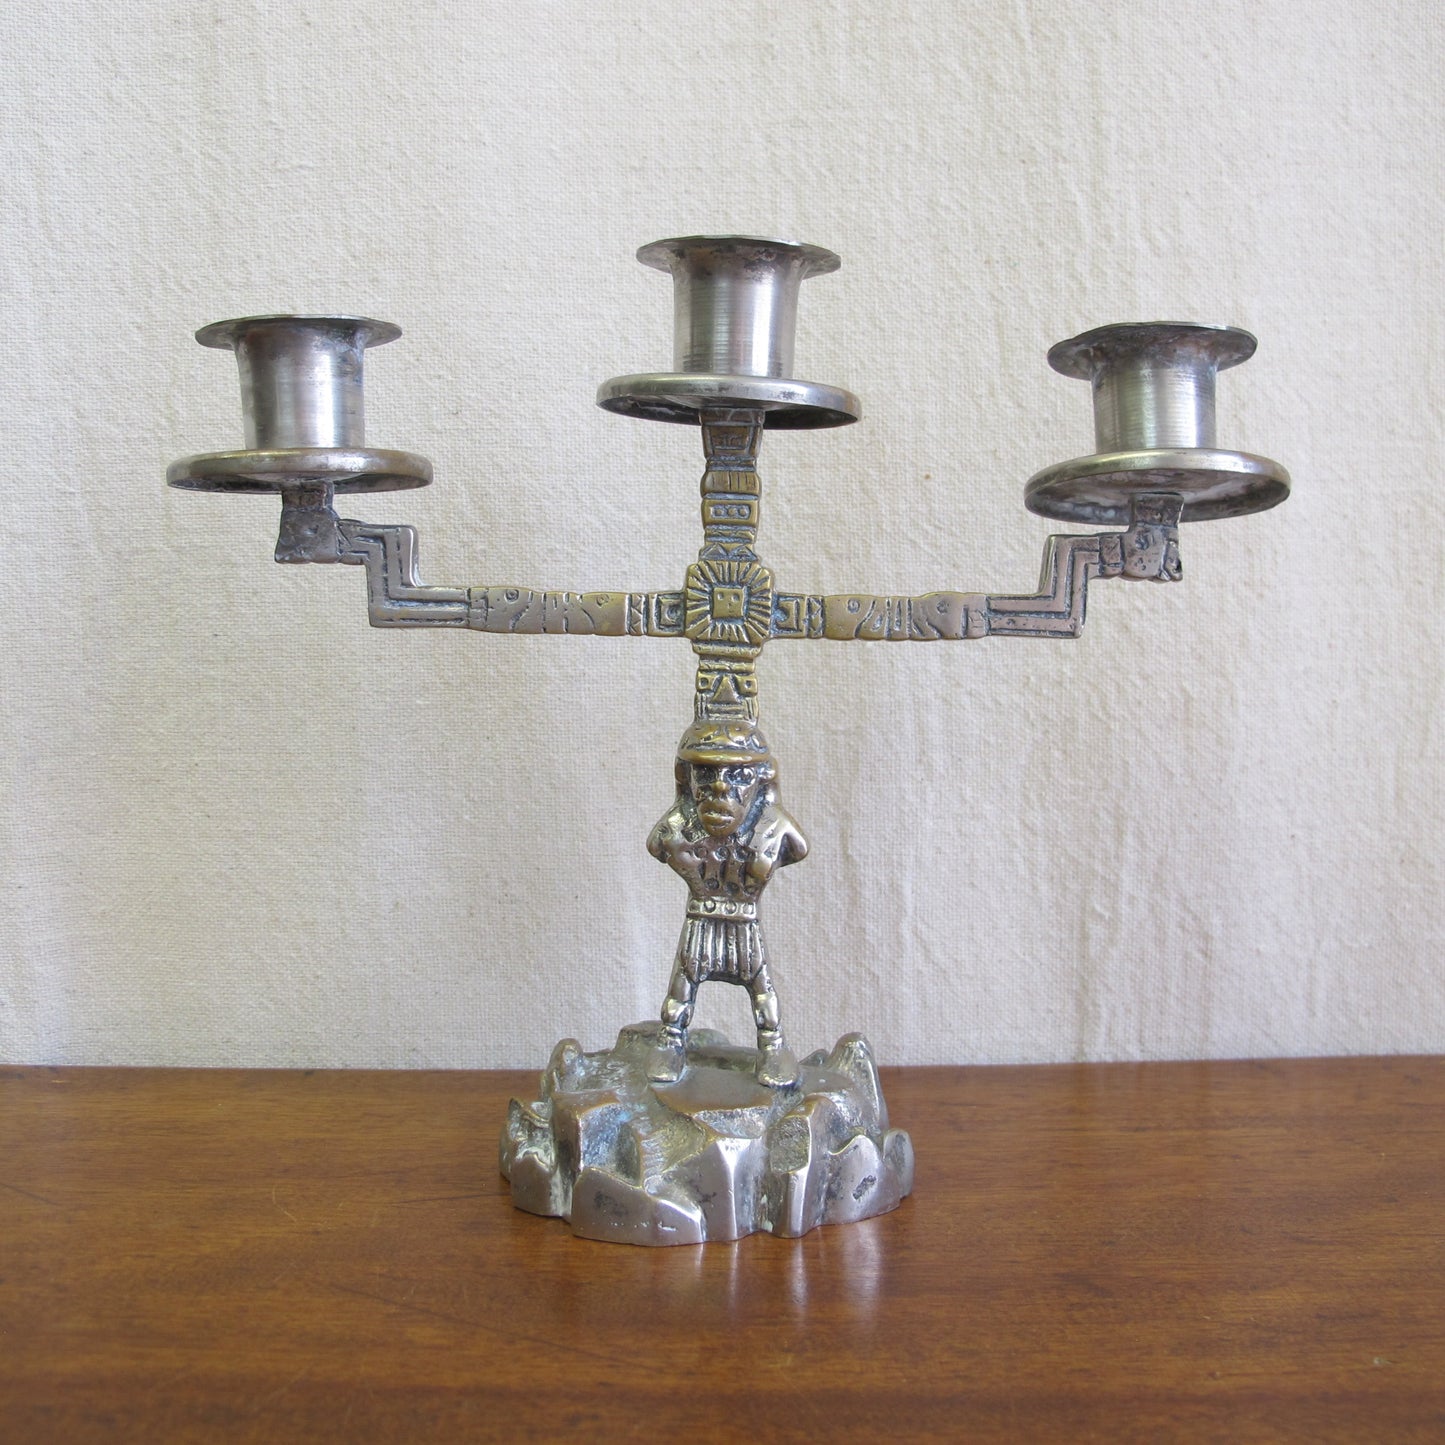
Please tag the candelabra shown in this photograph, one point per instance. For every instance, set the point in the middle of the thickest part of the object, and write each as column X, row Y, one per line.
column 675, row 1135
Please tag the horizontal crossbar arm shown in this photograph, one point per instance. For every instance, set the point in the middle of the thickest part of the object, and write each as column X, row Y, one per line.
column 1148, row 551
column 595, row 614
column 395, row 598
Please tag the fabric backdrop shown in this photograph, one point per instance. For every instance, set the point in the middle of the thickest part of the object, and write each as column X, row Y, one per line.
column 241, row 827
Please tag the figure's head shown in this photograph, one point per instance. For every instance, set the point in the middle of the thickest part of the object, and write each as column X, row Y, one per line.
column 723, row 765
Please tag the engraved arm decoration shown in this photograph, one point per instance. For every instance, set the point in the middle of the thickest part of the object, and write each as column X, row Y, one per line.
column 312, row 532
column 1147, row 551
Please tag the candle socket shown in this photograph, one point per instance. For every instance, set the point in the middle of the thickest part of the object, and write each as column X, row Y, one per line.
column 1154, row 427
column 735, row 313
column 303, row 408
column 735, row 300
column 301, row 376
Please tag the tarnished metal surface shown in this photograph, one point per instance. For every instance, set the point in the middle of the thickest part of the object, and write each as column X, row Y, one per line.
column 346, row 469
column 301, row 376
column 674, row 1135
column 1154, row 425
column 714, row 1156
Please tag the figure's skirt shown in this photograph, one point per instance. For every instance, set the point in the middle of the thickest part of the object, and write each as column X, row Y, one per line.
column 730, row 949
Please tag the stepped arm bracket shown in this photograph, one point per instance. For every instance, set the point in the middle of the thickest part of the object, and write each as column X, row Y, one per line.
column 312, row 532
column 396, row 598
column 1147, row 551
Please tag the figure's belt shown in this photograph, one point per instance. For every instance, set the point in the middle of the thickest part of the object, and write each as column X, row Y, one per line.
column 742, row 908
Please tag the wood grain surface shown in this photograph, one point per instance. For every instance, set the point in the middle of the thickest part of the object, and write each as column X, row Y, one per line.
column 1195, row 1251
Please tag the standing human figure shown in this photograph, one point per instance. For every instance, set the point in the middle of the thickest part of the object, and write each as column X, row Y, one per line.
column 724, row 835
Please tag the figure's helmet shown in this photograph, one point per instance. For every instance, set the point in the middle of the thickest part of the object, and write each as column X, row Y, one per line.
column 724, row 743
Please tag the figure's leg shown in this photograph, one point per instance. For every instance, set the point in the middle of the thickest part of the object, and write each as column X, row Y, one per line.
column 669, row 1057
column 778, row 1066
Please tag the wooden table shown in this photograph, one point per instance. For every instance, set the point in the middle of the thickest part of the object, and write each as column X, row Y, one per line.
column 1196, row 1251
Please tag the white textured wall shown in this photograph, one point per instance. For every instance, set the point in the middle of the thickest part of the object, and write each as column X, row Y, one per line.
column 240, row 827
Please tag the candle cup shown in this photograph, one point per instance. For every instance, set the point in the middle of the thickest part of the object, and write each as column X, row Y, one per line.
column 304, row 411
column 735, row 310
column 301, row 376
column 1154, row 427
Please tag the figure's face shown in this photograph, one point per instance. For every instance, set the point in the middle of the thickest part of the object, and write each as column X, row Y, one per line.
column 723, row 795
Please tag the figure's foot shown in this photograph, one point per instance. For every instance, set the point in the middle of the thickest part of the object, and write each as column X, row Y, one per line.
column 669, row 1057
column 778, row 1065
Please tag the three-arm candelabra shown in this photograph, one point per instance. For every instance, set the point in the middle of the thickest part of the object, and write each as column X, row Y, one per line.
column 674, row 1135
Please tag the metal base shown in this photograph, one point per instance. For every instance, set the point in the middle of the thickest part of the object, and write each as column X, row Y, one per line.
column 348, row 469
column 683, row 396
column 1097, row 490
column 714, row 1156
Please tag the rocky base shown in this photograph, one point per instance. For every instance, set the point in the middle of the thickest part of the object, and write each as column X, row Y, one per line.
column 715, row 1155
